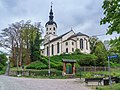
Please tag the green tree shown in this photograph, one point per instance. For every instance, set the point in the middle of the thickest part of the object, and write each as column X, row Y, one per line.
column 35, row 48
column 115, row 45
column 28, row 34
column 3, row 60
column 17, row 37
column 112, row 17
column 101, row 53
column 93, row 41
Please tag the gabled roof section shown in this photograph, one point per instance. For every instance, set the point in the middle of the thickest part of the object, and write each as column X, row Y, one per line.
column 78, row 34
column 81, row 34
column 60, row 36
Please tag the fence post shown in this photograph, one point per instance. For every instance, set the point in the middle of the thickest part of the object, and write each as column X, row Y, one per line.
column 95, row 68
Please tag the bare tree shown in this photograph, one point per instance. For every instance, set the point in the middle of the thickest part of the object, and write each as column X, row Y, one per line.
column 17, row 38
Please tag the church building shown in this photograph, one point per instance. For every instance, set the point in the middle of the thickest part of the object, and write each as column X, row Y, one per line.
column 66, row 43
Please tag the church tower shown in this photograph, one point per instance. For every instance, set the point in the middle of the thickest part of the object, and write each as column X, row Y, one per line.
column 51, row 26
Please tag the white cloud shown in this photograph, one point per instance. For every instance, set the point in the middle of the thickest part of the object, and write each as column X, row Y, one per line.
column 83, row 15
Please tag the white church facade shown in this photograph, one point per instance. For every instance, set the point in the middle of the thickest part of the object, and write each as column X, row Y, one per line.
column 66, row 43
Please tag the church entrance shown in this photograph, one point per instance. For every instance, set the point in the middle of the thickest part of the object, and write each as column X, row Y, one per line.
column 68, row 67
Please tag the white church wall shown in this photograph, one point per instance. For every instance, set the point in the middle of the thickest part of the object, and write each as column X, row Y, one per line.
column 84, row 50
column 63, row 46
column 55, row 48
column 69, row 46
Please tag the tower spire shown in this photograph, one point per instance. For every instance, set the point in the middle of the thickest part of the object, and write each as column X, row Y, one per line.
column 51, row 25
column 51, row 13
column 51, row 21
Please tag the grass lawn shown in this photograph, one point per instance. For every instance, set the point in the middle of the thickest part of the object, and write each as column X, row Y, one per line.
column 114, row 87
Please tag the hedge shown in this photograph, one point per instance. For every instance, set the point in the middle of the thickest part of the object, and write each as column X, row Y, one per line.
column 37, row 65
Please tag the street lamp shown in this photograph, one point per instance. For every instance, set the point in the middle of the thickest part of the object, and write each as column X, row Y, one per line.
column 49, row 58
column 47, row 39
column 110, row 81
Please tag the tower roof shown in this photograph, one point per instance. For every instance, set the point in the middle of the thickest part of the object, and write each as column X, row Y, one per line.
column 51, row 21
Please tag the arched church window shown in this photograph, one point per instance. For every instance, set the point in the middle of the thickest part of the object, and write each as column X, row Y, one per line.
column 81, row 44
column 53, row 28
column 66, row 43
column 72, row 43
column 86, row 44
column 72, row 49
column 50, row 28
column 47, row 50
column 58, row 47
column 47, row 29
column 53, row 32
column 66, row 50
column 52, row 49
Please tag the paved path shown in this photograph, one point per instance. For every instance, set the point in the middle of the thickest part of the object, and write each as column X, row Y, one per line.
column 13, row 83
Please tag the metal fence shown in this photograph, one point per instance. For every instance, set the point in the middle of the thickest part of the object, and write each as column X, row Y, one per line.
column 91, row 68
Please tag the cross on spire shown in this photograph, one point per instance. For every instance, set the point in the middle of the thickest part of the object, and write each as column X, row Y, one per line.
column 51, row 4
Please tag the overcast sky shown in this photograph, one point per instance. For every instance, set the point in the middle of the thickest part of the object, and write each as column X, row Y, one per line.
column 82, row 15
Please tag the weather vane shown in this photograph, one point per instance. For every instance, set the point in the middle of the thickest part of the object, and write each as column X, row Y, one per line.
column 51, row 4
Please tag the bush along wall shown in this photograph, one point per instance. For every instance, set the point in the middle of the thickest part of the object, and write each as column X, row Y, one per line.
column 37, row 65
column 3, row 60
column 36, row 72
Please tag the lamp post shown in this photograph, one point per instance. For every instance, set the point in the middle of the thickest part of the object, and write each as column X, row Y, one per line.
column 49, row 58
column 47, row 40
column 110, row 81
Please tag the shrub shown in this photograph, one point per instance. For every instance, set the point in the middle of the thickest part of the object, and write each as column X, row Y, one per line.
column 114, row 64
column 37, row 65
column 56, row 61
column 77, row 51
column 87, row 60
column 44, row 72
column 44, row 60
column 3, row 60
column 53, row 65
column 1, row 67
column 82, row 59
column 88, row 75
column 59, row 66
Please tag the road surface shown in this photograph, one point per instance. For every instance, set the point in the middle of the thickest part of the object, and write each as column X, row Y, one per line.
column 14, row 83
